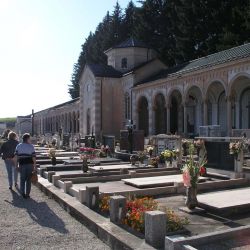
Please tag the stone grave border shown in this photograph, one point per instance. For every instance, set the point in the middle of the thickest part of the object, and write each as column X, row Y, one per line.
column 111, row 234
column 178, row 242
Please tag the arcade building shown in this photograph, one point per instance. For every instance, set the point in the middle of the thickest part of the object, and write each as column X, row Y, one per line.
column 135, row 85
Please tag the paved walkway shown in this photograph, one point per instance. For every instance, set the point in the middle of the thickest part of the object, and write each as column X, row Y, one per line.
column 39, row 223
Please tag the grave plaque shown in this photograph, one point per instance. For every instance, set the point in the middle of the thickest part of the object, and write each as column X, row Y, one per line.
column 218, row 155
column 66, row 140
column 162, row 142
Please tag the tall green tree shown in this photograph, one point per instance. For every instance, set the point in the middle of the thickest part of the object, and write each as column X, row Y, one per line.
column 180, row 30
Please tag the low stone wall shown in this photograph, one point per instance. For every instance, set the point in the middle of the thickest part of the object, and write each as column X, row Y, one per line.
column 179, row 243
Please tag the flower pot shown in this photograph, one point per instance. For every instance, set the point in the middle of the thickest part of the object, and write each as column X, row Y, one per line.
column 53, row 161
column 191, row 201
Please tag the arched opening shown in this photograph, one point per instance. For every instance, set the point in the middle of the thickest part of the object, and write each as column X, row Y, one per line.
column 217, row 106
column 240, row 93
column 78, row 122
column 176, row 113
column 193, row 110
column 143, row 115
column 66, row 123
column 160, row 115
column 245, row 109
column 70, row 123
column 88, row 122
column 74, row 122
column 124, row 63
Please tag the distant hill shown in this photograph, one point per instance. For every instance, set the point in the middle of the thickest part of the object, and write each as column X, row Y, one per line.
column 8, row 120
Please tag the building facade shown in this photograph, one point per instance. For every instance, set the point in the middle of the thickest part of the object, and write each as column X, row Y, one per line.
column 63, row 118
column 136, row 85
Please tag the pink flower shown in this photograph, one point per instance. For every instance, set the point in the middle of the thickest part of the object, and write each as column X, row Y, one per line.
column 186, row 179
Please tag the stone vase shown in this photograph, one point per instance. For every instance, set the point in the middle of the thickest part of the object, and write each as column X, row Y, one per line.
column 238, row 162
column 185, row 149
column 53, row 161
column 132, row 160
column 191, row 201
column 85, row 167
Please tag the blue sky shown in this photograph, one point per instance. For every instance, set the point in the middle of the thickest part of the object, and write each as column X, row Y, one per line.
column 39, row 43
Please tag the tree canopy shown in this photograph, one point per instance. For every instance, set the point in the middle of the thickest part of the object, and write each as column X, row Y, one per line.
column 180, row 30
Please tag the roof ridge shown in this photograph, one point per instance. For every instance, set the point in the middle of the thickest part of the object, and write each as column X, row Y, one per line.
column 216, row 53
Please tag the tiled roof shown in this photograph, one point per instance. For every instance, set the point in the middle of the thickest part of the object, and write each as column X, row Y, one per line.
column 131, row 42
column 141, row 65
column 60, row 105
column 101, row 70
column 204, row 62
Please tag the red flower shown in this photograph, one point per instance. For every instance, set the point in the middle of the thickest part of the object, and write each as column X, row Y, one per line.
column 202, row 170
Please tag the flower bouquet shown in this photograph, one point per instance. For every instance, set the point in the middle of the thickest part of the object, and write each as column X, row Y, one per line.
column 154, row 161
column 142, row 156
column 150, row 150
column 235, row 148
column 191, row 172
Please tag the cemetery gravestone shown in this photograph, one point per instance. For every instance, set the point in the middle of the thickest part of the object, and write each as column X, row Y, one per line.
column 65, row 140
column 109, row 141
column 138, row 139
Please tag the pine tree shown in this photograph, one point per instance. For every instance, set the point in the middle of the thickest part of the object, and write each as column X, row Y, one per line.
column 180, row 30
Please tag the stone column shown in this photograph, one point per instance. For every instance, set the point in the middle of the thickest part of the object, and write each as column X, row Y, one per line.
column 205, row 120
column 97, row 119
column 168, row 118
column 185, row 118
column 229, row 115
column 117, row 209
column 150, row 119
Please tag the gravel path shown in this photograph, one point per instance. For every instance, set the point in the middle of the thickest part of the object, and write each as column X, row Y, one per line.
column 39, row 223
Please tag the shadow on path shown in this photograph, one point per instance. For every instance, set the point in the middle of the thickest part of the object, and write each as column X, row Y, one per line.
column 39, row 212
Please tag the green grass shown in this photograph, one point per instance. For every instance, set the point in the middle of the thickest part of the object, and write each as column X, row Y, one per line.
column 8, row 119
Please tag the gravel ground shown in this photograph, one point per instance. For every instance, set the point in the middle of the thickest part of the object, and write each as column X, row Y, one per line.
column 39, row 223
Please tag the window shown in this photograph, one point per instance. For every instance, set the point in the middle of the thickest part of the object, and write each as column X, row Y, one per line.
column 127, row 106
column 124, row 63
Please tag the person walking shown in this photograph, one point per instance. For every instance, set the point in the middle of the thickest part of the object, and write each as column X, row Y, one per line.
column 25, row 157
column 8, row 152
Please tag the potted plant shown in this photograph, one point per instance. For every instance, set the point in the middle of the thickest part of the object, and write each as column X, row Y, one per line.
column 52, row 156
column 191, row 172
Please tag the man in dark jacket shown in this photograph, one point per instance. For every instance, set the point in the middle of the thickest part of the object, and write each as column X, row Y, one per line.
column 8, row 152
